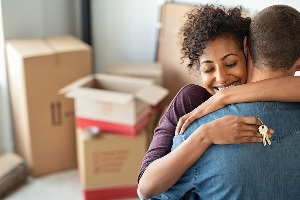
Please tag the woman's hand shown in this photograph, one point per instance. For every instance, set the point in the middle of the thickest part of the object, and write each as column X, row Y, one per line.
column 233, row 130
column 215, row 102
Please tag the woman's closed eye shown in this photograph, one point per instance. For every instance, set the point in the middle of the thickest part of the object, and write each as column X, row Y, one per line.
column 231, row 64
column 208, row 70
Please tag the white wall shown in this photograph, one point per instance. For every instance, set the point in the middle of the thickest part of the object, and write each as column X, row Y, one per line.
column 253, row 6
column 31, row 18
column 39, row 18
column 124, row 31
column 5, row 139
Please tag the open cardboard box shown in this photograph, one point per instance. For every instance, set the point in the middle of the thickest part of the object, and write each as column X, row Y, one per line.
column 114, row 103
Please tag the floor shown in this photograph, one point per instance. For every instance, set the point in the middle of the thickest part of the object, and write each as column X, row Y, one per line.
column 55, row 186
column 62, row 185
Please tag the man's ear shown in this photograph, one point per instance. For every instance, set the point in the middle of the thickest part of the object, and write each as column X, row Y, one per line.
column 297, row 65
column 245, row 46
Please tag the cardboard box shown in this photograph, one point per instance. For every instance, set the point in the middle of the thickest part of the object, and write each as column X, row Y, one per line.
column 175, row 73
column 152, row 71
column 109, row 164
column 118, row 101
column 44, row 125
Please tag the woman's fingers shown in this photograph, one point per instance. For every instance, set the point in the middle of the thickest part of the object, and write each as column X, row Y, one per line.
column 186, row 123
column 270, row 132
column 228, row 129
column 180, row 123
column 249, row 120
column 254, row 124
column 237, row 129
column 187, row 119
column 250, row 139
column 257, row 137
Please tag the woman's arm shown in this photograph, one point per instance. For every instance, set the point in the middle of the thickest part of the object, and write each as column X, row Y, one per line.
column 164, row 172
column 162, row 168
column 187, row 99
column 285, row 89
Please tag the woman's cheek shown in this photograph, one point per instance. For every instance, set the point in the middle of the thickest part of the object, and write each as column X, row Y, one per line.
column 207, row 82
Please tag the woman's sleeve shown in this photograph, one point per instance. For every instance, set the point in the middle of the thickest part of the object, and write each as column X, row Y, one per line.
column 187, row 99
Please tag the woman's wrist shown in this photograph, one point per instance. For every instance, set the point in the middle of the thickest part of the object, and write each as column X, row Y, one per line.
column 223, row 97
column 203, row 135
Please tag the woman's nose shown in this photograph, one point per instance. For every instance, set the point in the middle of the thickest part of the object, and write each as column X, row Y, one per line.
column 221, row 75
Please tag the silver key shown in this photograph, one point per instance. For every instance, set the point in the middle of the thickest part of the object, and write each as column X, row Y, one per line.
column 263, row 129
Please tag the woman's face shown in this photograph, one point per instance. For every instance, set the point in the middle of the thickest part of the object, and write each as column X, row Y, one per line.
column 222, row 65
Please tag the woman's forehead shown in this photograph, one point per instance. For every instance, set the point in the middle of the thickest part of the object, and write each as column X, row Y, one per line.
column 220, row 47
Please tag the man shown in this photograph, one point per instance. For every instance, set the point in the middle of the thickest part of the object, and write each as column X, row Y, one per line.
column 252, row 170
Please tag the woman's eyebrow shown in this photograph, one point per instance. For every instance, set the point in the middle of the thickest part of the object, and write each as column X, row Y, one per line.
column 231, row 54
column 206, row 61
column 223, row 58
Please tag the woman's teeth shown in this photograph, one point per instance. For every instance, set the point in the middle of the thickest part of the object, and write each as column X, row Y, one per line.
column 222, row 88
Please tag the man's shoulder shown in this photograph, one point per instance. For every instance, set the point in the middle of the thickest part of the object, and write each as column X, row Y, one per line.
column 263, row 106
column 251, row 109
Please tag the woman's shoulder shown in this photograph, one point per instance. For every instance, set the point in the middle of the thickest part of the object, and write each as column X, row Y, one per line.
column 193, row 91
column 188, row 98
column 192, row 87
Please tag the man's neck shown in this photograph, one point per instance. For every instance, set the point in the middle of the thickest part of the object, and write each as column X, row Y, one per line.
column 259, row 75
column 263, row 72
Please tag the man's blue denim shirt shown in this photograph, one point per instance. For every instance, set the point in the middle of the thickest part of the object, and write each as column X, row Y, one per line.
column 249, row 170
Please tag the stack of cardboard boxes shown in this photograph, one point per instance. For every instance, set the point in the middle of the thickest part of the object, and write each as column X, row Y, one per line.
column 112, row 114
column 65, row 116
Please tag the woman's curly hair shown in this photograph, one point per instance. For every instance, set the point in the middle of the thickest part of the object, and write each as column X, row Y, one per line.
column 204, row 23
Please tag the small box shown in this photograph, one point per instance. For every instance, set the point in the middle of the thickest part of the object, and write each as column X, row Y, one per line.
column 108, row 164
column 118, row 101
column 153, row 71
column 44, row 125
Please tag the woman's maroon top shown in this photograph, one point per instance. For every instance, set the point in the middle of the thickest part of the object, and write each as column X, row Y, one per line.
column 187, row 99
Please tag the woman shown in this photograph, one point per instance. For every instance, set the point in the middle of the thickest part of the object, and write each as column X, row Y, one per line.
column 213, row 42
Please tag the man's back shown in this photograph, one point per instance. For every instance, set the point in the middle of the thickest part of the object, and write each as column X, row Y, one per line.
column 248, row 170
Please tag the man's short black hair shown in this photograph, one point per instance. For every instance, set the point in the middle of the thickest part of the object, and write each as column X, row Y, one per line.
column 274, row 39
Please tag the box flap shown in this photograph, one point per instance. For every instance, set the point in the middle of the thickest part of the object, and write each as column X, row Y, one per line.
column 100, row 95
column 136, row 69
column 75, row 90
column 75, row 84
column 123, row 79
column 152, row 94
column 27, row 48
column 67, row 43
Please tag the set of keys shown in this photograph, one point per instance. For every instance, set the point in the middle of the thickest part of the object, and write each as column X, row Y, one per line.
column 263, row 129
